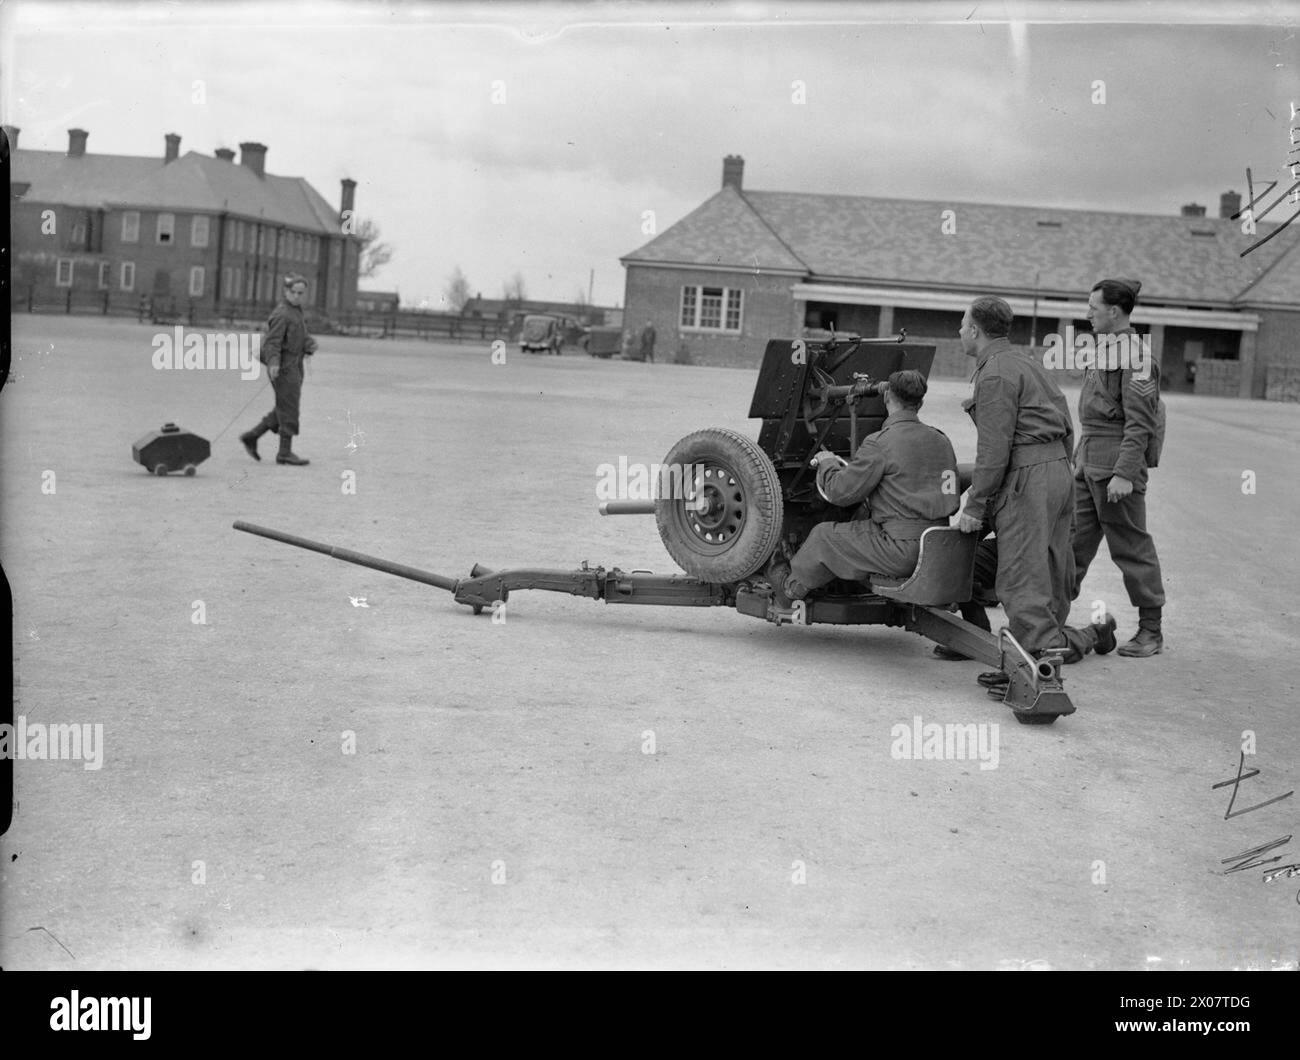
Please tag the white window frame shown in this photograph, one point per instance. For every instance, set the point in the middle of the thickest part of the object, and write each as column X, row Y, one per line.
column 105, row 268
column 59, row 281
column 166, row 226
column 126, row 276
column 198, row 274
column 691, row 310
column 200, row 230
column 131, row 226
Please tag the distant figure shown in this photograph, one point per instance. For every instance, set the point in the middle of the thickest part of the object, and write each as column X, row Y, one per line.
column 284, row 346
column 648, row 342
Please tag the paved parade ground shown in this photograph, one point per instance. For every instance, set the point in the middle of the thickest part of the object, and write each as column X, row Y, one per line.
column 307, row 764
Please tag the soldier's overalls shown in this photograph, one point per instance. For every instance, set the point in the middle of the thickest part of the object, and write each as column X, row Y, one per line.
column 904, row 477
column 1022, row 487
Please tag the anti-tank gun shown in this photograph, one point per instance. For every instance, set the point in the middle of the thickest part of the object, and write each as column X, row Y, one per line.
column 729, row 507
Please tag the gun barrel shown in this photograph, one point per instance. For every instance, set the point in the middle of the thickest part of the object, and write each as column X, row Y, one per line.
column 401, row 570
column 627, row 507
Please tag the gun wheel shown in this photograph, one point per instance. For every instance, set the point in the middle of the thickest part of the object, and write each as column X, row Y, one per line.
column 724, row 518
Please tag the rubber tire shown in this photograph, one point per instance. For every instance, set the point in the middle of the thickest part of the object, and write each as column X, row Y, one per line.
column 751, row 548
column 160, row 470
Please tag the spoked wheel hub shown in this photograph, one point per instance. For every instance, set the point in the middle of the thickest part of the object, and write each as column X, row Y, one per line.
column 715, row 512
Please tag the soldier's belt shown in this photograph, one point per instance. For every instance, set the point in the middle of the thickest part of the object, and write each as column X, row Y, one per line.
column 1103, row 429
column 1039, row 453
column 903, row 529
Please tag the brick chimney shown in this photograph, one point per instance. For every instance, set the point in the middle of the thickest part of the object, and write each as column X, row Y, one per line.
column 254, row 157
column 225, row 154
column 348, row 196
column 77, row 142
column 173, row 151
column 1229, row 204
column 733, row 171
column 1193, row 209
column 11, row 131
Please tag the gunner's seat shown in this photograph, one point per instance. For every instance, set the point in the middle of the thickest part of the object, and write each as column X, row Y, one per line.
column 945, row 570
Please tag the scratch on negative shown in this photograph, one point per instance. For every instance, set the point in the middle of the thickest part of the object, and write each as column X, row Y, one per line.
column 53, row 936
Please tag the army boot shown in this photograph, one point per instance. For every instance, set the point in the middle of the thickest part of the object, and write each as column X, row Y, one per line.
column 1105, row 635
column 777, row 573
column 287, row 455
column 249, row 438
column 1148, row 639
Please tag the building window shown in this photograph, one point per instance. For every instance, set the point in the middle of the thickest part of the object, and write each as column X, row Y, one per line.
column 236, row 282
column 127, row 278
column 103, row 275
column 79, row 232
column 315, row 251
column 196, row 281
column 131, row 226
column 712, row 308
column 166, row 228
column 239, row 235
column 336, row 253
column 199, row 231
column 63, row 272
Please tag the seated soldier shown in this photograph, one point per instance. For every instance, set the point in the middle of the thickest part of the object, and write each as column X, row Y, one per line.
column 904, row 477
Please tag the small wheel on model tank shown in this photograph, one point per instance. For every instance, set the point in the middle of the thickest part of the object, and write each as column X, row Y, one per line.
column 160, row 470
column 190, row 470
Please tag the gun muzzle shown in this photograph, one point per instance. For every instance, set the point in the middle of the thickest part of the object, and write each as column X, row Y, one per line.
column 627, row 508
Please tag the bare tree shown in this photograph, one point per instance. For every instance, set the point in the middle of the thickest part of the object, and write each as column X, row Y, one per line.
column 374, row 254
column 513, row 289
column 457, row 291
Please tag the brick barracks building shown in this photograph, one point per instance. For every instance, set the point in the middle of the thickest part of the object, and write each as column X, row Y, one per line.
column 192, row 234
column 746, row 266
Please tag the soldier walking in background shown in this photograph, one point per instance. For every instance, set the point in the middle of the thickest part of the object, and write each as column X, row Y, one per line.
column 1022, row 486
column 648, row 342
column 1120, row 412
column 284, row 346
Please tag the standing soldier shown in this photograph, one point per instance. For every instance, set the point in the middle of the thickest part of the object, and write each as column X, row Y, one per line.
column 1022, row 486
column 284, row 346
column 648, row 342
column 1119, row 408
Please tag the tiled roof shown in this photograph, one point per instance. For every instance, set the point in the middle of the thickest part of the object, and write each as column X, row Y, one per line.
column 1281, row 283
column 724, row 230
column 997, row 248
column 193, row 182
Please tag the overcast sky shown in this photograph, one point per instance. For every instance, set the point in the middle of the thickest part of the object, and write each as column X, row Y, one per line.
column 603, row 113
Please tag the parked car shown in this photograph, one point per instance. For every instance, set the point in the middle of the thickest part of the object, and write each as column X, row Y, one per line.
column 542, row 333
column 602, row 341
